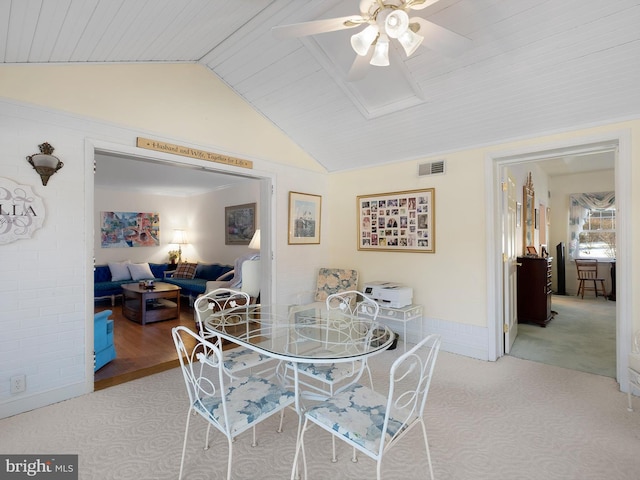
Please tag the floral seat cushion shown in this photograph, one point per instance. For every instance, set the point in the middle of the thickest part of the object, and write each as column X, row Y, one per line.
column 357, row 413
column 243, row 358
column 330, row 373
column 254, row 398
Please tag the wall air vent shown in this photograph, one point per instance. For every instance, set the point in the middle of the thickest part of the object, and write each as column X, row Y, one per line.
column 433, row 168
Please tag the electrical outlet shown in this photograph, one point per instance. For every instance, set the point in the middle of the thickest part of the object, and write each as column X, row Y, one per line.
column 18, row 383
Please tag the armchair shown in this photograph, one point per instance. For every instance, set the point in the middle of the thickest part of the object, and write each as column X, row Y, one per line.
column 103, row 348
column 246, row 277
column 330, row 281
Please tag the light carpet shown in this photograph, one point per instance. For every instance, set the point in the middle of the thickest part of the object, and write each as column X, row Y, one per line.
column 581, row 336
column 510, row 419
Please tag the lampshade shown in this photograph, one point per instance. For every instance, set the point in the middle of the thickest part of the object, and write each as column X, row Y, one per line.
column 396, row 23
column 179, row 237
column 254, row 244
column 362, row 41
column 380, row 56
column 410, row 41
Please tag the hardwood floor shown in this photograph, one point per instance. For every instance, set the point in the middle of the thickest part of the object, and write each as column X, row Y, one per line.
column 141, row 350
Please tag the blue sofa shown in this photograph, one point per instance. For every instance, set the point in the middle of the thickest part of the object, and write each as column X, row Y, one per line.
column 104, row 287
column 103, row 348
column 192, row 287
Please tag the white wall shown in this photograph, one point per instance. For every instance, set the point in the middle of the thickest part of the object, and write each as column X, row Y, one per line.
column 170, row 210
column 206, row 221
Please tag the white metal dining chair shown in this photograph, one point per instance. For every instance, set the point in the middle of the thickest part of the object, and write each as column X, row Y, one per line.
column 232, row 405
column 342, row 319
column 229, row 309
column 372, row 422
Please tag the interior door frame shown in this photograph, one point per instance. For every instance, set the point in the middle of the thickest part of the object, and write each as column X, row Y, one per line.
column 618, row 141
column 267, row 218
column 509, row 263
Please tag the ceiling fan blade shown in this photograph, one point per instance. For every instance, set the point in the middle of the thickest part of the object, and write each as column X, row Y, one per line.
column 359, row 67
column 316, row 26
column 441, row 39
column 419, row 4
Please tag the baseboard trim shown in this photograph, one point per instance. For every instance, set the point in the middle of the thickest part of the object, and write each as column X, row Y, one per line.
column 468, row 340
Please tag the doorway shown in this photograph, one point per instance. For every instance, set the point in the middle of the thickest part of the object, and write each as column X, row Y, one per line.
column 496, row 162
column 171, row 167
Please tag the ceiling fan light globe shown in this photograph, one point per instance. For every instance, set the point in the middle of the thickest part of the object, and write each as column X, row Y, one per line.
column 396, row 23
column 410, row 41
column 362, row 41
column 380, row 57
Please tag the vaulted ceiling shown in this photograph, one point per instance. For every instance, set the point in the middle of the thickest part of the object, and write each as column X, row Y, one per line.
column 531, row 66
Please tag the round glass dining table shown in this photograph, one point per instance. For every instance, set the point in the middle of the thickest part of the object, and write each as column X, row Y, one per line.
column 300, row 333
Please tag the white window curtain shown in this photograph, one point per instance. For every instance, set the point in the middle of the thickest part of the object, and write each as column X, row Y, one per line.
column 580, row 205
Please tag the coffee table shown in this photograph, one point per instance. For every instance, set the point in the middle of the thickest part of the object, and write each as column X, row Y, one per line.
column 146, row 305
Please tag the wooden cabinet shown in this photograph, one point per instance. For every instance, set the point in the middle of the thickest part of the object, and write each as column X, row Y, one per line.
column 534, row 290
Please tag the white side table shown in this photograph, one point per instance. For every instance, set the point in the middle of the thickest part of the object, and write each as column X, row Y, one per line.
column 403, row 314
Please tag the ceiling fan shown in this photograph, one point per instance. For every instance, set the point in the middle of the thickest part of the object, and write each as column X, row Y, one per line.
column 385, row 19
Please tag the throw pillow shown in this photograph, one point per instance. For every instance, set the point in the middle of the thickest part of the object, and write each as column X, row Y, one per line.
column 185, row 270
column 119, row 271
column 140, row 271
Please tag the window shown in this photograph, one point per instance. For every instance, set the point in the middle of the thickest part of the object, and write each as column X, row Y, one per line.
column 593, row 225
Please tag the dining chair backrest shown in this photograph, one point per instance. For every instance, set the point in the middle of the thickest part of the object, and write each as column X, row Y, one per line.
column 587, row 268
column 199, row 362
column 348, row 303
column 588, row 278
column 409, row 382
column 225, row 307
column 345, row 311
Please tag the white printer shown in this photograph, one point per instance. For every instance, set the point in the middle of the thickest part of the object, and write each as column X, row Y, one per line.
column 389, row 294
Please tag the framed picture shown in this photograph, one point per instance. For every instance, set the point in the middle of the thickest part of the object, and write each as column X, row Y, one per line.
column 518, row 214
column 397, row 221
column 129, row 229
column 304, row 218
column 240, row 224
column 531, row 250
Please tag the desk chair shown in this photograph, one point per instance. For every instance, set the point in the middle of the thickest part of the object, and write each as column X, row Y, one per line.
column 372, row 422
column 588, row 273
column 246, row 278
column 233, row 406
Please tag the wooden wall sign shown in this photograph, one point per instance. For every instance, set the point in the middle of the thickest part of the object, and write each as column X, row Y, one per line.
column 21, row 211
column 192, row 152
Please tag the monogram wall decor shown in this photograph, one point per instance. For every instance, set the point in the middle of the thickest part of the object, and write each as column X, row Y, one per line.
column 21, row 211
